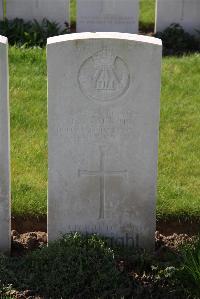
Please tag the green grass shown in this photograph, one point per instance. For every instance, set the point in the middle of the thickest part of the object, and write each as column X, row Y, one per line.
column 190, row 273
column 147, row 14
column 28, row 130
column 179, row 159
column 73, row 11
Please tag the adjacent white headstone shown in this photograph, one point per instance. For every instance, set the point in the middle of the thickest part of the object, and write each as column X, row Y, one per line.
column 1, row 10
column 183, row 12
column 103, row 115
column 107, row 16
column 4, row 150
column 53, row 10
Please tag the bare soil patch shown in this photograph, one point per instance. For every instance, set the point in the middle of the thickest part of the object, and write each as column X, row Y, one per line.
column 24, row 224
column 26, row 242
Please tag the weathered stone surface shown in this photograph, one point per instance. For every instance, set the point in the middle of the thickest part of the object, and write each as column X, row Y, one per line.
column 107, row 16
column 53, row 10
column 4, row 149
column 103, row 116
column 1, row 9
column 184, row 12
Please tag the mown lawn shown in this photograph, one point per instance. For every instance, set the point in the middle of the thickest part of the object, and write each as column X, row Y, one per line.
column 179, row 152
column 28, row 101
column 147, row 15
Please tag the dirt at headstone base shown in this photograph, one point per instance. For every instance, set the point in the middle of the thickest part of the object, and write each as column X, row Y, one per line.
column 23, row 243
column 26, row 242
column 23, row 224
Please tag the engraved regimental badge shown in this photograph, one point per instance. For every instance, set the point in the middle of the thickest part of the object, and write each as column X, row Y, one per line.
column 104, row 76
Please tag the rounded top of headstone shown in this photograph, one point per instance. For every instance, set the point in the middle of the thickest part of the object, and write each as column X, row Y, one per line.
column 3, row 39
column 106, row 35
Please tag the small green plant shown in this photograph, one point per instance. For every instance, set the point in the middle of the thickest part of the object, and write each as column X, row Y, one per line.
column 177, row 42
column 29, row 34
column 191, row 267
column 75, row 266
column 6, row 274
column 84, row 266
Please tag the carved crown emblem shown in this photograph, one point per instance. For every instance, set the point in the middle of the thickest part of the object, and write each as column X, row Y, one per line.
column 104, row 76
column 105, row 58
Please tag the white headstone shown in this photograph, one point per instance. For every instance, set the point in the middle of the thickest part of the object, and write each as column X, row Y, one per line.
column 5, row 217
column 107, row 16
column 183, row 12
column 103, row 115
column 53, row 10
column 1, row 10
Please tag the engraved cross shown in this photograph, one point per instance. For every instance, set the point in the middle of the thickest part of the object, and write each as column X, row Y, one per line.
column 102, row 173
